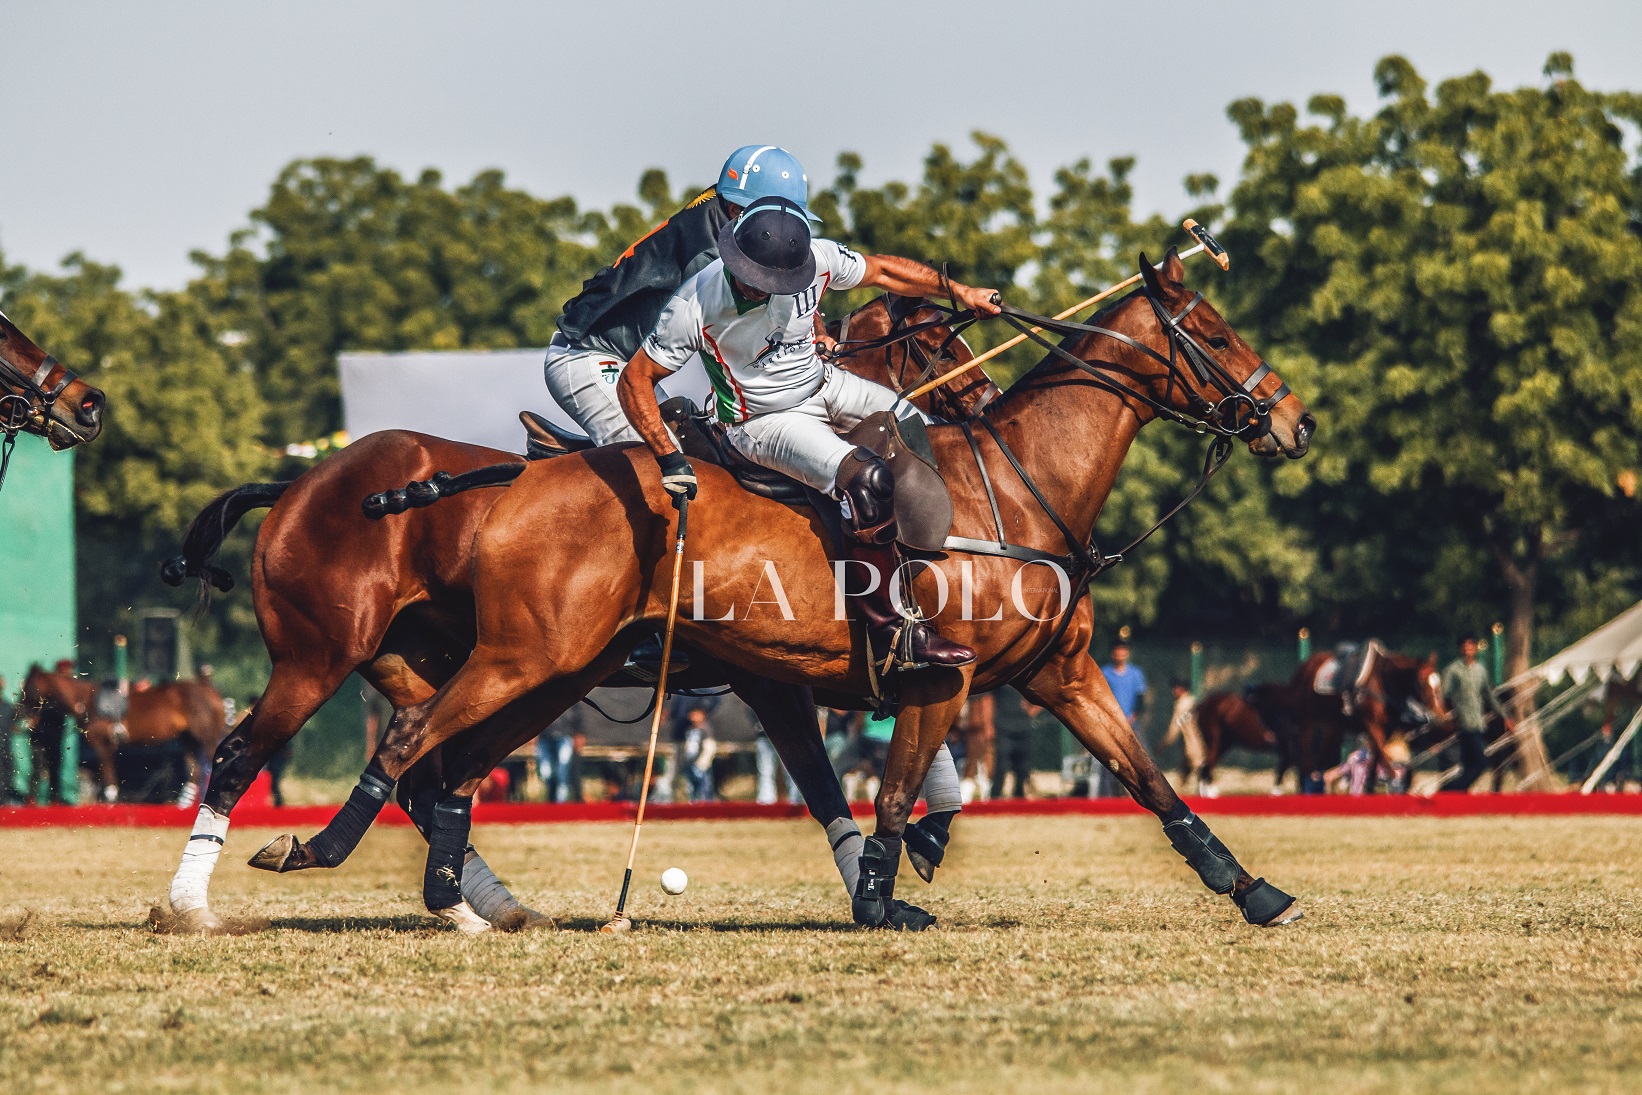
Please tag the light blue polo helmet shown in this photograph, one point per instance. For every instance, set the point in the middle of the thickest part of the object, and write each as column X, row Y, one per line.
column 764, row 171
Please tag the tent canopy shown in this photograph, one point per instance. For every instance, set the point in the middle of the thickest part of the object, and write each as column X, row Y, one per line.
column 1612, row 651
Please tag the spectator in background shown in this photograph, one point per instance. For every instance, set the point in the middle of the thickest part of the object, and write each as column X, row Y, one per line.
column 865, row 755
column 10, row 793
column 696, row 754
column 1183, row 725
column 977, row 727
column 1012, row 750
column 558, row 755
column 1467, row 688
column 840, row 728
column 1128, row 685
column 769, row 763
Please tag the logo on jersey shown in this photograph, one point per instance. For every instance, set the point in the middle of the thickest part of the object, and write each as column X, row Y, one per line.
column 610, row 371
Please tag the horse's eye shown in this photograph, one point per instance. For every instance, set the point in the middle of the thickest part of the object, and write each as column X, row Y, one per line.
column 1218, row 343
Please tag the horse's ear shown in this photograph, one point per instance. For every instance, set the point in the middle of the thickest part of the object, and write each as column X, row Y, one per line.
column 1431, row 660
column 1148, row 274
column 1174, row 270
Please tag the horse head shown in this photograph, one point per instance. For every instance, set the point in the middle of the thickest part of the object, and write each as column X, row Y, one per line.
column 1210, row 375
column 39, row 396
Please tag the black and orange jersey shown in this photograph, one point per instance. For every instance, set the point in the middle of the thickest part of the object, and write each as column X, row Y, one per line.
column 618, row 306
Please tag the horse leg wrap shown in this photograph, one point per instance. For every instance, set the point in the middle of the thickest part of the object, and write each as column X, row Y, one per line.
column 447, row 845
column 417, row 800
column 943, row 791
column 485, row 892
column 845, row 837
column 190, row 886
column 1201, row 849
column 336, row 841
column 875, row 888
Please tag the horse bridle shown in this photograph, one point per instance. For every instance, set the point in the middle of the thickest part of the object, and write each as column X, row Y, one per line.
column 1238, row 413
column 29, row 398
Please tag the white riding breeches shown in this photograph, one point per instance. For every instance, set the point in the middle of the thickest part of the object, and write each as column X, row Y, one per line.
column 803, row 442
column 583, row 382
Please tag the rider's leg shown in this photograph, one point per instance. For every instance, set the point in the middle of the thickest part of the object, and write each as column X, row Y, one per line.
column 583, row 383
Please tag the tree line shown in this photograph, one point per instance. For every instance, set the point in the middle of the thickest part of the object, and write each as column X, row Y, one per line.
column 1453, row 284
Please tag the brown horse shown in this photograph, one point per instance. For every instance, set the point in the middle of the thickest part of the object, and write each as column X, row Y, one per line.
column 190, row 712
column 39, row 395
column 392, row 600
column 1228, row 720
column 578, row 554
column 1395, row 691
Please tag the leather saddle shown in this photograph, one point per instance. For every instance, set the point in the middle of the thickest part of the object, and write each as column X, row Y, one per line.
column 544, row 439
column 923, row 507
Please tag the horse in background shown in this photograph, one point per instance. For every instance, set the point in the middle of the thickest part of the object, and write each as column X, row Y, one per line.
column 189, row 712
column 1227, row 720
column 1388, row 692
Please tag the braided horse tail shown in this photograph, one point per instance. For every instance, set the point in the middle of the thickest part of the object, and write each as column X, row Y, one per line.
column 208, row 531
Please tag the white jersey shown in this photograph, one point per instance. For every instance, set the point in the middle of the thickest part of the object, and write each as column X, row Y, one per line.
column 760, row 355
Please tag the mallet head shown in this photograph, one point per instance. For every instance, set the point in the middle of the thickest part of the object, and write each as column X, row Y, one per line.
column 1211, row 246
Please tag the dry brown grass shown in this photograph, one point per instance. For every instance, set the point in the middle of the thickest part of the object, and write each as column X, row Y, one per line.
column 1075, row 955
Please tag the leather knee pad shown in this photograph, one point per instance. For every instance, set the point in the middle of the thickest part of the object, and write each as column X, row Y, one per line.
column 866, row 481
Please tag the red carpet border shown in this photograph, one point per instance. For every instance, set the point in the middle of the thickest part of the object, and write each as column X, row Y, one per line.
column 307, row 818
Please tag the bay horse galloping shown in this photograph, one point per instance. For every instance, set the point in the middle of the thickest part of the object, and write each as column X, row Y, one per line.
column 1229, row 720
column 1391, row 691
column 578, row 551
column 39, row 395
column 392, row 600
column 189, row 712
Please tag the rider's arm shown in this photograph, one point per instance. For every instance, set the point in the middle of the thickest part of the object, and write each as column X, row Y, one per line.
column 637, row 391
column 906, row 278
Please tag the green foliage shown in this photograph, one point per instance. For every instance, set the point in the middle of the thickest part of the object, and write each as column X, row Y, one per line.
column 1460, row 274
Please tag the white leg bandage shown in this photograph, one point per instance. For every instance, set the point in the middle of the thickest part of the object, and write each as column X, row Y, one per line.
column 845, row 837
column 942, row 793
column 483, row 890
column 190, row 886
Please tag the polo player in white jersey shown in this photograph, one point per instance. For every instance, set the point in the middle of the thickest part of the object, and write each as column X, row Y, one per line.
column 751, row 316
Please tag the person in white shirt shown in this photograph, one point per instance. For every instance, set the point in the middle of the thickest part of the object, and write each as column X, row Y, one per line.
column 750, row 316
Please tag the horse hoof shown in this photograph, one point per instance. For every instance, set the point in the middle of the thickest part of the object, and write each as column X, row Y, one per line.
column 1265, row 906
column 463, row 919
column 925, row 869
column 908, row 918
column 518, row 918
column 201, row 921
column 275, row 854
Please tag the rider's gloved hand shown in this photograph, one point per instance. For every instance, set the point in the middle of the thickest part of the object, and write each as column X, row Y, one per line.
column 677, row 476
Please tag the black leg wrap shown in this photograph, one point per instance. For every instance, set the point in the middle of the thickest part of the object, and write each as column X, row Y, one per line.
column 1262, row 903
column 876, row 887
column 874, row 904
column 1201, row 849
column 417, row 801
column 447, row 845
column 337, row 840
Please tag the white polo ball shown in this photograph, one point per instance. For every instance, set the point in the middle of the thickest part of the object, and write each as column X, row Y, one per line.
column 674, row 880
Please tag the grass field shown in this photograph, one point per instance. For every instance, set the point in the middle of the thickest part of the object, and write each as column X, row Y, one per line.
column 1075, row 954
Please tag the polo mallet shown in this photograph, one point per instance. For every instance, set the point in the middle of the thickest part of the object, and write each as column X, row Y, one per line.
column 1205, row 243
column 619, row 923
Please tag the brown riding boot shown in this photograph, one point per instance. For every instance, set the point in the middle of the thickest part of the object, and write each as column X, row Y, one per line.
column 867, row 484
column 915, row 643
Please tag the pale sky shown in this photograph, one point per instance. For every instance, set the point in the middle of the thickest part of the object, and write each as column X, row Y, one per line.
column 137, row 132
